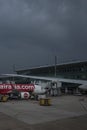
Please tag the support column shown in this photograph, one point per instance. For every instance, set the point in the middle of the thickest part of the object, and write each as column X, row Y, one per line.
column 66, row 90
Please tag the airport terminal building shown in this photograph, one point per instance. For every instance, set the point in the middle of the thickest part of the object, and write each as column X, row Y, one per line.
column 71, row 70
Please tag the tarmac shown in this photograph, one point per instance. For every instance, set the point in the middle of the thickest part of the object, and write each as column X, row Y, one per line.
column 65, row 113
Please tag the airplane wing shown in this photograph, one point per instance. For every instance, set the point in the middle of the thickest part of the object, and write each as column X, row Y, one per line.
column 63, row 80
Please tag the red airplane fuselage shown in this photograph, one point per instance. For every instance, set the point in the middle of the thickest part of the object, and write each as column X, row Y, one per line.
column 8, row 88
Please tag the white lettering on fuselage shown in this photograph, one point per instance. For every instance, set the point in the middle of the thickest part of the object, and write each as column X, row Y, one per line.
column 5, row 86
column 16, row 86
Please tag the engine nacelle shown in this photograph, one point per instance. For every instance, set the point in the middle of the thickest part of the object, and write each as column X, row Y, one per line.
column 24, row 95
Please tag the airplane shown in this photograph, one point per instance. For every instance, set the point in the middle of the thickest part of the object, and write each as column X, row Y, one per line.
column 82, row 84
column 23, row 90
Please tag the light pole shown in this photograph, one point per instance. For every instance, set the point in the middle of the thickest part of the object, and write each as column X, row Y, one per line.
column 13, row 68
column 13, row 72
column 55, row 64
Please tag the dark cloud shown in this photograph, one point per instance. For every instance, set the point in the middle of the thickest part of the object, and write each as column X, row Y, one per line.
column 32, row 32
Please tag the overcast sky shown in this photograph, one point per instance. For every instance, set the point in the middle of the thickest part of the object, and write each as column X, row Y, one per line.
column 32, row 32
